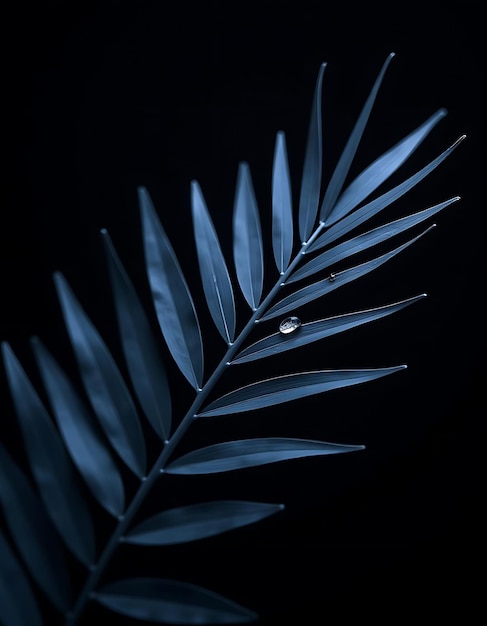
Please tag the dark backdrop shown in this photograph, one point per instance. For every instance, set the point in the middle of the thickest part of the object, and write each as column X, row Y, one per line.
column 102, row 97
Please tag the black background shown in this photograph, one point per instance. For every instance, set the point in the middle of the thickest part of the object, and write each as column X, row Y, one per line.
column 102, row 97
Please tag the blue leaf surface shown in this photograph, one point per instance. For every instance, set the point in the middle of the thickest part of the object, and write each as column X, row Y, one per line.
column 335, row 280
column 282, row 209
column 247, row 239
column 18, row 605
column 103, row 382
column 143, row 360
column 367, row 211
column 171, row 602
column 213, row 269
column 290, row 387
column 377, row 172
column 51, row 466
column 81, row 435
column 364, row 241
column 311, row 182
column 172, row 300
column 342, row 168
column 234, row 455
column 197, row 521
column 313, row 331
column 33, row 533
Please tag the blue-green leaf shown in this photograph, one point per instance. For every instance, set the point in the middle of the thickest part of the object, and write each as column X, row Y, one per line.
column 247, row 239
column 367, row 211
column 342, row 168
column 51, row 466
column 313, row 331
column 311, row 181
column 18, row 605
column 33, row 533
column 213, row 269
column 233, row 455
column 197, row 521
column 81, row 435
column 290, row 387
column 172, row 299
column 282, row 210
column 364, row 241
column 143, row 360
column 171, row 602
column 377, row 172
column 105, row 387
column 335, row 280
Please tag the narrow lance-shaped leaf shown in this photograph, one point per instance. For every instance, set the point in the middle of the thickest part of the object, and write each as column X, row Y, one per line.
column 81, row 435
column 33, row 533
column 380, row 170
column 247, row 239
column 290, row 387
column 367, row 211
column 213, row 269
column 103, row 382
column 313, row 331
column 364, row 241
column 171, row 602
column 172, row 299
column 240, row 454
column 311, row 181
column 139, row 345
column 335, row 280
column 282, row 210
column 198, row 521
column 51, row 466
column 18, row 605
column 342, row 168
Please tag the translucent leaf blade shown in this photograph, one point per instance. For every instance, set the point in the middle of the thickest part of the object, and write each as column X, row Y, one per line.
column 198, row 521
column 282, row 210
column 83, row 440
column 51, row 466
column 291, row 387
column 234, row 455
column 213, row 269
column 322, row 287
column 343, row 166
column 364, row 241
column 171, row 602
column 311, row 182
column 314, row 331
column 367, row 211
column 172, row 299
column 103, row 382
column 247, row 239
column 33, row 533
column 381, row 169
column 143, row 360
column 18, row 605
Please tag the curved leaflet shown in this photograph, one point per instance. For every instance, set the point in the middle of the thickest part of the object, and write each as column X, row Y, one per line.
column 33, row 533
column 313, row 331
column 282, row 210
column 172, row 300
column 81, row 434
column 51, row 466
column 171, row 602
column 103, row 382
column 247, row 239
column 143, row 360
column 213, row 269
column 233, row 455
column 198, row 521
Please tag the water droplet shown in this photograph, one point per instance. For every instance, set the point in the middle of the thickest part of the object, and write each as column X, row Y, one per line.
column 289, row 325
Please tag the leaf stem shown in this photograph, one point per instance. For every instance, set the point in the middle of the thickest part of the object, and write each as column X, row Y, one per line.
column 87, row 592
